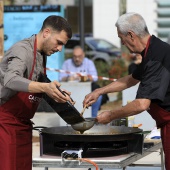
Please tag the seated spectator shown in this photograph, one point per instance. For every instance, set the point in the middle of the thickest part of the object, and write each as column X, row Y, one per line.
column 80, row 64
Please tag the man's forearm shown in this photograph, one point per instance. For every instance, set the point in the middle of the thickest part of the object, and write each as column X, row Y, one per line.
column 119, row 85
column 37, row 87
column 132, row 108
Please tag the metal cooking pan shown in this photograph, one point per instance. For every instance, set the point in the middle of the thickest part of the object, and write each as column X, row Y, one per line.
column 96, row 133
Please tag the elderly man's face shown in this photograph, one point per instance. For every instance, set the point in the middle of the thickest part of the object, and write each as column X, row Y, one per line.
column 78, row 56
column 128, row 40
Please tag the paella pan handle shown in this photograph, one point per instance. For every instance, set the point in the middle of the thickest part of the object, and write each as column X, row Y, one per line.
column 38, row 128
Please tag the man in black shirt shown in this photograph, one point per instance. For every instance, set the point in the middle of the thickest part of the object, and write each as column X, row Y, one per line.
column 153, row 74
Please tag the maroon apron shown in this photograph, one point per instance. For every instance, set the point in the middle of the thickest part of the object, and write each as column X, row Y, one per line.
column 162, row 118
column 16, row 128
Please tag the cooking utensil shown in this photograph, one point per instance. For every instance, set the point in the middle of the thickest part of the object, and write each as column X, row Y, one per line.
column 83, row 110
column 64, row 93
column 111, row 139
column 99, row 141
column 65, row 110
column 98, row 133
column 85, row 125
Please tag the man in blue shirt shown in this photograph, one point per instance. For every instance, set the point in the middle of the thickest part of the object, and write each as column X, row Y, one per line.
column 80, row 64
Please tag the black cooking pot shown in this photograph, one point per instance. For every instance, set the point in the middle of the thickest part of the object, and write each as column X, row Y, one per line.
column 96, row 133
column 100, row 138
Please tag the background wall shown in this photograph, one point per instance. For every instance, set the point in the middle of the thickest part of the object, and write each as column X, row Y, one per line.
column 106, row 14
column 104, row 18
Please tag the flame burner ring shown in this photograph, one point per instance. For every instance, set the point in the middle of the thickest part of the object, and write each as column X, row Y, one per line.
column 92, row 149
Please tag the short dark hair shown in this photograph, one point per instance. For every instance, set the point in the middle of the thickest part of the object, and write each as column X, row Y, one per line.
column 57, row 23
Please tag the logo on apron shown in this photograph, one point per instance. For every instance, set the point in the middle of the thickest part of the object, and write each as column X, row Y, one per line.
column 34, row 99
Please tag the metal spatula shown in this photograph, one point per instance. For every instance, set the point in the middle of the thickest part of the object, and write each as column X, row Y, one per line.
column 65, row 110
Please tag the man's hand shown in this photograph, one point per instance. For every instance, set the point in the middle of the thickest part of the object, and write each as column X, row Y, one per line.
column 68, row 94
column 73, row 78
column 104, row 117
column 52, row 91
column 132, row 108
column 91, row 98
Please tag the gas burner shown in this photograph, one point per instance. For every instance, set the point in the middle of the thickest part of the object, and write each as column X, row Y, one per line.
column 90, row 149
column 113, row 141
column 93, row 148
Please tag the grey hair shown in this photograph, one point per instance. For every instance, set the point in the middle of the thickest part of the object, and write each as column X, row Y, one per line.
column 132, row 22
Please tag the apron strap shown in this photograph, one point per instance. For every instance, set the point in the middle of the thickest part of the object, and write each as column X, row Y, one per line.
column 147, row 46
column 34, row 61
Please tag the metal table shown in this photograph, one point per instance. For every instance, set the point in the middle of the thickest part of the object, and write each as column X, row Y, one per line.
column 113, row 162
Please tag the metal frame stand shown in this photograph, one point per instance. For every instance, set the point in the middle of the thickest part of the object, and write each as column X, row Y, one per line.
column 120, row 162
